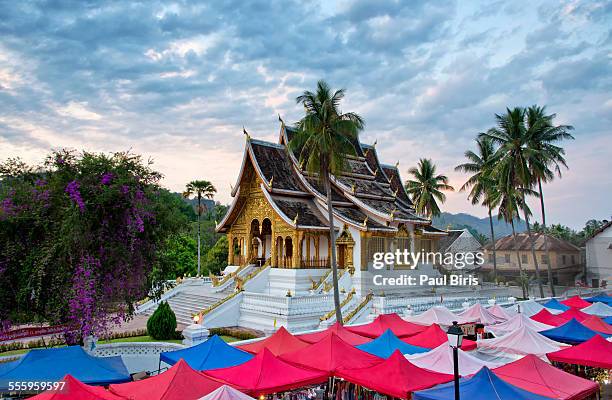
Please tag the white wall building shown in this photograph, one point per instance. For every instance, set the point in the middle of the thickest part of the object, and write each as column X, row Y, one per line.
column 599, row 257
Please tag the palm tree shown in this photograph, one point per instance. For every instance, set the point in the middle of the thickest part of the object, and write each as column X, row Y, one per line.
column 510, row 202
column 482, row 183
column 542, row 139
column 325, row 136
column 514, row 163
column 200, row 189
column 427, row 187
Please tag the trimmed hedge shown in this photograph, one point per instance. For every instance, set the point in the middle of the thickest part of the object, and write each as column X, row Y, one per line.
column 162, row 324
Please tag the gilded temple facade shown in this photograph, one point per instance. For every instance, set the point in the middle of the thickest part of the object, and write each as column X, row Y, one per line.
column 278, row 215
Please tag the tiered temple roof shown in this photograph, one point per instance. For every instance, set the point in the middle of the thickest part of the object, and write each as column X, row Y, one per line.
column 367, row 187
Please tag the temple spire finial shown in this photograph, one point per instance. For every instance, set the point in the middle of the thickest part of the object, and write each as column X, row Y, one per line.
column 281, row 120
column 248, row 137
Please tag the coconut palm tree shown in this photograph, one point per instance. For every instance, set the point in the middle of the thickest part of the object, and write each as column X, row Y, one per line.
column 325, row 136
column 200, row 189
column 510, row 202
column 427, row 187
column 482, row 183
column 514, row 163
column 543, row 137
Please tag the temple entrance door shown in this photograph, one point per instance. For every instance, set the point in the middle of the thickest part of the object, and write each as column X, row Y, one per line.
column 341, row 255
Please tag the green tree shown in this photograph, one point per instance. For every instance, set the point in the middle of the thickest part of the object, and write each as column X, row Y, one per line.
column 543, row 139
column 426, row 188
column 162, row 324
column 325, row 136
column 200, row 189
column 482, row 183
column 514, row 165
column 181, row 253
column 216, row 256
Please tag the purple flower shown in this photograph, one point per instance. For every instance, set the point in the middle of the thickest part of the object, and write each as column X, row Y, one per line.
column 7, row 208
column 107, row 178
column 73, row 191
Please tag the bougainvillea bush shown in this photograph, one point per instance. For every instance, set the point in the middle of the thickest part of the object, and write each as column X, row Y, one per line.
column 82, row 238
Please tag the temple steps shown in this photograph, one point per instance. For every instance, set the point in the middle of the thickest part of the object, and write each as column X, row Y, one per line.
column 185, row 304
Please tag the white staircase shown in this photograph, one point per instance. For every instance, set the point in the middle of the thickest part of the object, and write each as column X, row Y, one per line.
column 187, row 303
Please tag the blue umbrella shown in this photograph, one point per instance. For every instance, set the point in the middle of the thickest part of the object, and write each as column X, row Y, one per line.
column 384, row 345
column 51, row 365
column 555, row 305
column 485, row 385
column 211, row 354
column 572, row 332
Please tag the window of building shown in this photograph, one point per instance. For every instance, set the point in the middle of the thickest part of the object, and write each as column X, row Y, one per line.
column 564, row 259
column 491, row 259
column 544, row 259
column 507, row 258
column 573, row 259
column 524, row 258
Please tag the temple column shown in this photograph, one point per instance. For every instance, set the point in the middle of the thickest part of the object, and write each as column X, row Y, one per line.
column 316, row 241
column 307, row 245
column 273, row 250
column 297, row 249
column 230, row 253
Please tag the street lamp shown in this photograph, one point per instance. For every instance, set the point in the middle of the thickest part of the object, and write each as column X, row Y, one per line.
column 455, row 338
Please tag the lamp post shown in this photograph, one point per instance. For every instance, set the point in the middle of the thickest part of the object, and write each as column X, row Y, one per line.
column 455, row 338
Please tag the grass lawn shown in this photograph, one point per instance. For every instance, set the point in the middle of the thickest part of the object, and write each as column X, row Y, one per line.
column 133, row 339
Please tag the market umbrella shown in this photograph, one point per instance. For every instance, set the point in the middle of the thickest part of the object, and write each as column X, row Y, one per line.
column 480, row 315
column 574, row 313
column 383, row 322
column 572, row 332
column 329, row 354
column 501, row 312
column 279, row 343
column 537, row 376
column 266, row 374
column 387, row 343
column 440, row 360
column 595, row 352
column 226, row 393
column 519, row 343
column 546, row 317
column 600, row 309
column 336, row 329
column 395, row 376
column 433, row 337
column 213, row 353
column 179, row 382
column 597, row 324
column 554, row 304
column 73, row 389
column 576, row 302
column 485, row 385
column 516, row 322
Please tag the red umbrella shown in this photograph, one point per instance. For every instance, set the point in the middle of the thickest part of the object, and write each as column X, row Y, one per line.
column 576, row 302
column 329, row 354
column 597, row 324
column 434, row 336
column 266, row 374
column 73, row 389
column 180, row 382
column 398, row 326
column 574, row 313
column 395, row 376
column 280, row 342
column 539, row 377
column 346, row 335
column 548, row 318
column 595, row 352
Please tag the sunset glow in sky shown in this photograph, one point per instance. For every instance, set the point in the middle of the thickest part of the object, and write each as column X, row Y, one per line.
column 176, row 82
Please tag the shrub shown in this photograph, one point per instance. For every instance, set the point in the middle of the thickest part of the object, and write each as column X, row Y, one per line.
column 162, row 324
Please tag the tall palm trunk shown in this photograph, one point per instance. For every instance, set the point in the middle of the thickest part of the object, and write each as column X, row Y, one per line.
column 494, row 252
column 199, row 216
column 518, row 257
column 549, row 264
column 332, row 238
column 533, row 253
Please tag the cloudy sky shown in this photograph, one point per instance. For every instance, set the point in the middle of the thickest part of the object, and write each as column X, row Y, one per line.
column 177, row 81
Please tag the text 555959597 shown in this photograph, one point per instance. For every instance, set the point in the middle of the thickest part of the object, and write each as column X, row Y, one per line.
column 35, row 386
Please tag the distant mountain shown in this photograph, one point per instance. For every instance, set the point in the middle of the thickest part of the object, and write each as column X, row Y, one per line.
column 461, row 220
